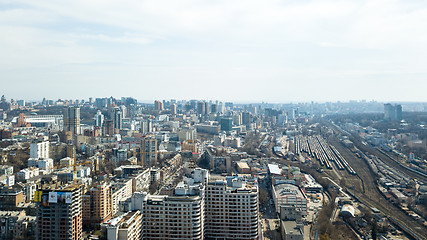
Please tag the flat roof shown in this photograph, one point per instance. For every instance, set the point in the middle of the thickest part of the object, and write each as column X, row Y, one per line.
column 242, row 165
column 274, row 169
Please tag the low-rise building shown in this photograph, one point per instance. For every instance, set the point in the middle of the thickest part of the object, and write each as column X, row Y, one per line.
column 7, row 180
column 10, row 198
column 6, row 170
column 290, row 201
column 27, row 173
column 14, row 224
column 292, row 230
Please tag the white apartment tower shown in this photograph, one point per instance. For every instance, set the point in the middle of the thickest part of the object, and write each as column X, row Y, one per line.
column 231, row 210
column 99, row 119
column 39, row 150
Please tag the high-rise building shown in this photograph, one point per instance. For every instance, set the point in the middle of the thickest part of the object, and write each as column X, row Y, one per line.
column 146, row 126
column 108, row 129
column 201, row 108
column 96, row 204
column 246, row 118
column 173, row 217
column 99, row 119
column 180, row 216
column 118, row 118
column 72, row 119
column 206, row 107
column 39, row 150
column 214, row 108
column 149, row 151
column 158, row 105
column 231, row 209
column 59, row 213
column 173, row 109
column 237, row 119
column 226, row 124
column 392, row 112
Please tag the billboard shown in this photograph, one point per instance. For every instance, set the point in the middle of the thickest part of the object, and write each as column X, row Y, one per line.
column 53, row 197
column 44, row 200
column 64, row 197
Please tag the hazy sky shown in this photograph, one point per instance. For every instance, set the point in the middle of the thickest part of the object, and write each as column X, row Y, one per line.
column 246, row 50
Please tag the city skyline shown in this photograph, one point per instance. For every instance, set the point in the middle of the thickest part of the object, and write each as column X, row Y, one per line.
column 272, row 51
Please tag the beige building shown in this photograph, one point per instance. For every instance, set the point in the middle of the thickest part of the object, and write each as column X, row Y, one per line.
column 96, row 204
column 149, row 151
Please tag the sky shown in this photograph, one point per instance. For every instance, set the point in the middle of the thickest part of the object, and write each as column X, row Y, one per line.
column 231, row 50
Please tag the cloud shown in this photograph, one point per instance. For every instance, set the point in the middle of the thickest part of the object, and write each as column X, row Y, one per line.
column 165, row 40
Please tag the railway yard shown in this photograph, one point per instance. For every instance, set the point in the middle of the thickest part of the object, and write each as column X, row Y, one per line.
column 358, row 169
column 369, row 165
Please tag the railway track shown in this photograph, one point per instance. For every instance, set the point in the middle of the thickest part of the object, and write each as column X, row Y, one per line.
column 372, row 196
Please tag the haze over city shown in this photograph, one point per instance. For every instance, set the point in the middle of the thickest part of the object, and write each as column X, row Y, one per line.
column 251, row 51
column 213, row 120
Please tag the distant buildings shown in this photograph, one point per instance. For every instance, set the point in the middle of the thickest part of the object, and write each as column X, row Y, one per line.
column 149, row 151
column 16, row 224
column 392, row 112
column 72, row 119
column 226, row 124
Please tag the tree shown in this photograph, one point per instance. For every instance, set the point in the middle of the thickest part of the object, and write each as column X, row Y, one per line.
column 324, row 236
column 374, row 230
column 153, row 187
column 263, row 196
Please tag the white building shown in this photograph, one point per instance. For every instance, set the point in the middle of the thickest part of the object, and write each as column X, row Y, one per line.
column 290, row 201
column 6, row 170
column 46, row 165
column 231, row 210
column 39, row 150
column 125, row 227
column 27, row 173
column 99, row 119
column 121, row 190
column 7, row 180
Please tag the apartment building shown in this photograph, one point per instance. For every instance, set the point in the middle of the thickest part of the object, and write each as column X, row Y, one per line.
column 231, row 209
column 125, row 227
column 59, row 213
column 96, row 204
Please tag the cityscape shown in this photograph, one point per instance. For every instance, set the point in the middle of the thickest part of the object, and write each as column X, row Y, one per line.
column 213, row 120
column 110, row 168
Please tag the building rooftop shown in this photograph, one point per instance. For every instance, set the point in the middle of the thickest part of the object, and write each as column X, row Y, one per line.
column 274, row 169
column 285, row 189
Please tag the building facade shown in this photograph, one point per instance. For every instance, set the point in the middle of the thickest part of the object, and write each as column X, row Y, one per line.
column 231, row 210
column 72, row 119
column 59, row 213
